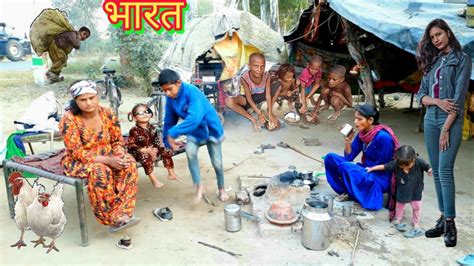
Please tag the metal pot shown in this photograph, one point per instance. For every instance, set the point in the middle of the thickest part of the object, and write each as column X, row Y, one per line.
column 233, row 220
column 316, row 226
column 326, row 198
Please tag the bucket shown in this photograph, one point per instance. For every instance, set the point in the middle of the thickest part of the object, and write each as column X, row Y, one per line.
column 470, row 14
column 316, row 226
column 233, row 220
column 39, row 70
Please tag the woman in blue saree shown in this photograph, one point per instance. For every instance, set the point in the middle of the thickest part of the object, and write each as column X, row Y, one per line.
column 377, row 144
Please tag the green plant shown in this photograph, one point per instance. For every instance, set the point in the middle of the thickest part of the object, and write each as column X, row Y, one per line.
column 139, row 54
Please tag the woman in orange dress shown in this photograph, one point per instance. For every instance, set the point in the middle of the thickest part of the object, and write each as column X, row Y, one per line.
column 95, row 150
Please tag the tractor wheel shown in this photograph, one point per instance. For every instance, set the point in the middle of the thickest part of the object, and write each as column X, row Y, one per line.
column 14, row 50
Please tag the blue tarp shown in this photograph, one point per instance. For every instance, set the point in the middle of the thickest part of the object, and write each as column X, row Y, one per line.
column 402, row 22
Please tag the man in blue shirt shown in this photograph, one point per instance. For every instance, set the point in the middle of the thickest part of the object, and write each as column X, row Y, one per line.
column 200, row 124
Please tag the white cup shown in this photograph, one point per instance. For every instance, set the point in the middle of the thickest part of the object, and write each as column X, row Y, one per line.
column 346, row 130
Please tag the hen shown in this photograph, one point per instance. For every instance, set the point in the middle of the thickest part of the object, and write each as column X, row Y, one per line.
column 25, row 196
column 46, row 217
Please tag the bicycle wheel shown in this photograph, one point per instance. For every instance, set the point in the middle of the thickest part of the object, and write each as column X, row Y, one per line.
column 153, row 104
column 114, row 98
column 101, row 89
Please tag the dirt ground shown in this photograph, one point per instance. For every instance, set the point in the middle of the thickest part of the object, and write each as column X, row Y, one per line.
column 176, row 241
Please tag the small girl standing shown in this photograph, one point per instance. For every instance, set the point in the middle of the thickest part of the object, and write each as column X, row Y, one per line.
column 408, row 170
column 144, row 144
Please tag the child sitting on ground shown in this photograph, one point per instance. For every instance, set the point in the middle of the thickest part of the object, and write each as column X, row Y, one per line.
column 336, row 93
column 144, row 144
column 408, row 170
column 285, row 87
column 256, row 84
column 310, row 80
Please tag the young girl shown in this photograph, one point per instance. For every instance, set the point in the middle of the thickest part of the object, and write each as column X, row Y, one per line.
column 408, row 170
column 144, row 144
column 286, row 86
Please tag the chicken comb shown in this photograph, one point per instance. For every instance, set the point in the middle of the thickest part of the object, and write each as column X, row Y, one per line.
column 13, row 176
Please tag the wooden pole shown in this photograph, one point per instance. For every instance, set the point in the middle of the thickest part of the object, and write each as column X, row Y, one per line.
column 356, row 51
column 246, row 5
column 263, row 12
column 274, row 15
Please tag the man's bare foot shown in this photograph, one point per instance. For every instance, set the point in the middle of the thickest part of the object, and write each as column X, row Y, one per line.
column 199, row 191
column 324, row 107
column 334, row 116
column 223, row 195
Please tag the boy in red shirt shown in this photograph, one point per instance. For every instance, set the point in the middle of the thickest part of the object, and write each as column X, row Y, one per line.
column 310, row 80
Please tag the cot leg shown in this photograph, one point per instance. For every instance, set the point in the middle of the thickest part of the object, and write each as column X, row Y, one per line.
column 10, row 198
column 82, row 213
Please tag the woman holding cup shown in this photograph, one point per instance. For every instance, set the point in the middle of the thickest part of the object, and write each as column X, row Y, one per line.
column 377, row 144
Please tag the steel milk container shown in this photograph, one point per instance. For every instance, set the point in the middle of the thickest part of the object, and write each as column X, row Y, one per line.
column 316, row 226
column 233, row 220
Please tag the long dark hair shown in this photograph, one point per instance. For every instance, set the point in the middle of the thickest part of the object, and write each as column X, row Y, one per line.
column 426, row 52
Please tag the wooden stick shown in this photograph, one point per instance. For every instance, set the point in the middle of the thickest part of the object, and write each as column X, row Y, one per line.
column 241, row 162
column 354, row 247
column 304, row 154
column 218, row 248
column 207, row 200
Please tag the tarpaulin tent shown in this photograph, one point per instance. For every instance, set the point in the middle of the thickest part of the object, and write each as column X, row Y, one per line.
column 402, row 22
column 234, row 34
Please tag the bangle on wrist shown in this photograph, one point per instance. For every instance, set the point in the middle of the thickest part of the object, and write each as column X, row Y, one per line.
column 445, row 129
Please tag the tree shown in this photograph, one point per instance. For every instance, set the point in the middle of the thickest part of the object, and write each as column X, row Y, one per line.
column 82, row 13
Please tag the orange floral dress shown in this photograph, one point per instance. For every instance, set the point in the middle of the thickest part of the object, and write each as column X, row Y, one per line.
column 112, row 193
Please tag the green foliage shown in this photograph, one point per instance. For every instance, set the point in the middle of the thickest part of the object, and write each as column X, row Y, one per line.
column 83, row 13
column 205, row 7
column 140, row 53
column 289, row 11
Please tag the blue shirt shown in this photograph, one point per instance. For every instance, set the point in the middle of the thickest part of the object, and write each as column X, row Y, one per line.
column 200, row 121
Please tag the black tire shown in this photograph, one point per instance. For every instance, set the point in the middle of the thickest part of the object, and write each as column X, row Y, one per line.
column 101, row 89
column 114, row 105
column 154, row 106
column 14, row 50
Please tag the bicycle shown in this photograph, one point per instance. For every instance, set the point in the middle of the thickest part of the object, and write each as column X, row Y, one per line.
column 108, row 89
column 157, row 105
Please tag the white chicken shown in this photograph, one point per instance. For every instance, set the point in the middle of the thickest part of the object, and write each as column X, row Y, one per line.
column 25, row 196
column 46, row 217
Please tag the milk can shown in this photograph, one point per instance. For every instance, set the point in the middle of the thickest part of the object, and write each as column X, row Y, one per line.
column 316, row 226
column 233, row 220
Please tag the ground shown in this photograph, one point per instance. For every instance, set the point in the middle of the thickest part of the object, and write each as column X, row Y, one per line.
column 176, row 241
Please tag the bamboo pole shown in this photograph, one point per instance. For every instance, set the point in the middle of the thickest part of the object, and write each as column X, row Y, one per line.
column 356, row 52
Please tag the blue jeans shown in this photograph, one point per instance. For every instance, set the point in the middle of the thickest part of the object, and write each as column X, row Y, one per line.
column 442, row 162
column 215, row 153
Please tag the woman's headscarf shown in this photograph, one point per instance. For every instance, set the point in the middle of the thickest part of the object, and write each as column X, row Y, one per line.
column 82, row 87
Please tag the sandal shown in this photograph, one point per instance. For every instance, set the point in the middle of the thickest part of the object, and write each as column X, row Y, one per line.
column 125, row 243
column 124, row 224
column 414, row 232
column 164, row 214
column 466, row 260
column 401, row 227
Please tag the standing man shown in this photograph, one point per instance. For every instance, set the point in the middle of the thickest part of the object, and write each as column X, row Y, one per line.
column 200, row 124
column 52, row 32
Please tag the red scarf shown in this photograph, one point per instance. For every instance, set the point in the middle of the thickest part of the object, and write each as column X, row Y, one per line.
column 367, row 137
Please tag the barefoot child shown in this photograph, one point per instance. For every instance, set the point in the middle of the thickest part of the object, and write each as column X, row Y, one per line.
column 285, row 87
column 256, row 84
column 336, row 93
column 144, row 144
column 310, row 80
column 408, row 170
column 200, row 124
